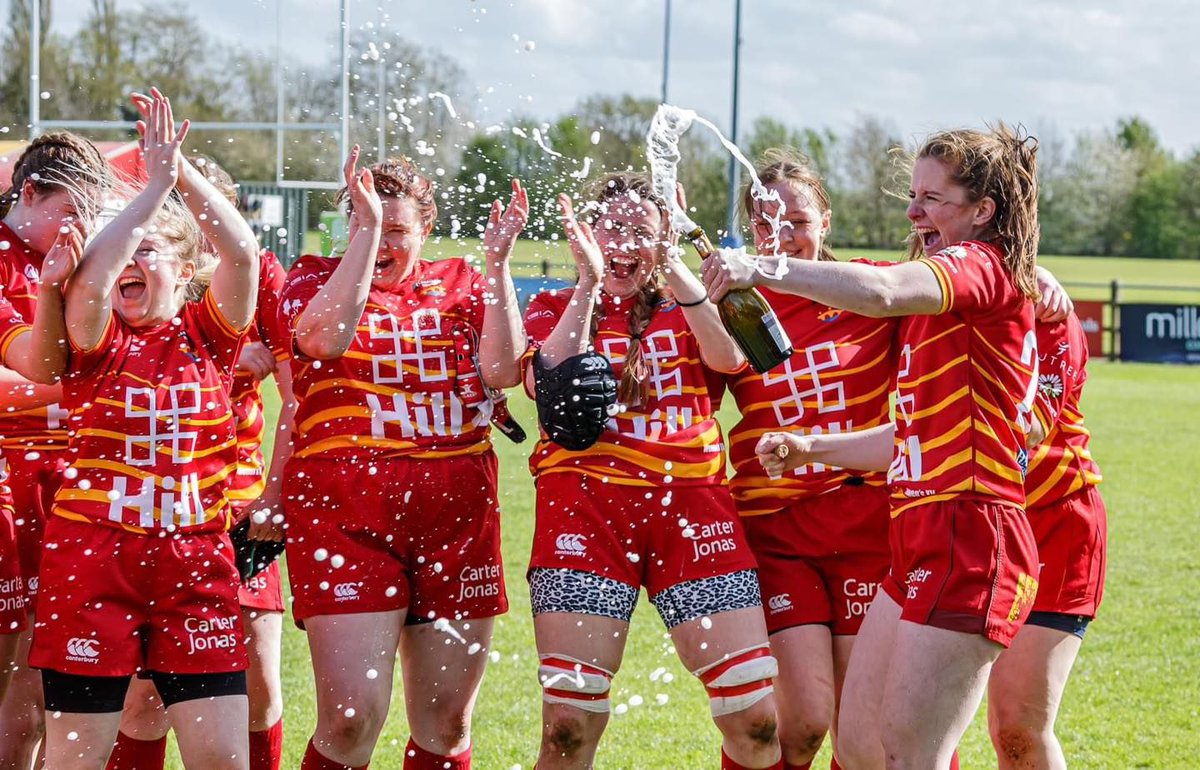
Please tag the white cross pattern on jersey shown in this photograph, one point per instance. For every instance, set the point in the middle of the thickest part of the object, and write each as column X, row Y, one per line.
column 669, row 384
column 185, row 400
column 426, row 322
column 815, row 365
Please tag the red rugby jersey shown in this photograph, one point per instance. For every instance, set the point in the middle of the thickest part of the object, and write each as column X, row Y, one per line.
column 1062, row 464
column 673, row 438
column 38, row 428
column 12, row 324
column 965, row 385
column 407, row 386
column 837, row 380
column 153, row 439
column 248, row 483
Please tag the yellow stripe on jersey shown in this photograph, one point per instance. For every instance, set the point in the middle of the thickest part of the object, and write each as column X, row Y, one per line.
column 908, row 384
column 945, row 438
column 944, row 282
column 1009, row 473
column 125, row 470
column 166, row 450
column 945, row 402
column 9, row 337
column 386, row 447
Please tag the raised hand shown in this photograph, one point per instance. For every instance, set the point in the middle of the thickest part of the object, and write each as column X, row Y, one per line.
column 62, row 259
column 161, row 143
column 360, row 185
column 589, row 259
column 505, row 224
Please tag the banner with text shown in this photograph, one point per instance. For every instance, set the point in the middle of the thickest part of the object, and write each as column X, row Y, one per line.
column 1160, row 333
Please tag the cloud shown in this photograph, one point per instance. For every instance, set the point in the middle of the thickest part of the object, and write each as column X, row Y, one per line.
column 868, row 27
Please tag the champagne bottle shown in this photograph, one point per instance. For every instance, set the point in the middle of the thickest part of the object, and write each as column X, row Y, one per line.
column 749, row 319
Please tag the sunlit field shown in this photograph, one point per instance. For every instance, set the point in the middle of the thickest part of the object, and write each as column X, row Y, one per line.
column 1132, row 701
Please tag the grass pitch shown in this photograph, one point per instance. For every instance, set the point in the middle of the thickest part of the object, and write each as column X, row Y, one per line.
column 1132, row 700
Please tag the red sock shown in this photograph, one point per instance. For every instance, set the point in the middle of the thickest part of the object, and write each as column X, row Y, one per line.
column 132, row 754
column 266, row 747
column 315, row 760
column 729, row 764
column 833, row 765
column 954, row 761
column 417, row 758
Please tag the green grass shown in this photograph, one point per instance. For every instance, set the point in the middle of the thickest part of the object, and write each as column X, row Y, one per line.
column 1133, row 700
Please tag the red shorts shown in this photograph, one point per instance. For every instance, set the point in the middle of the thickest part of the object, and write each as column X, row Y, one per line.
column 13, row 601
column 34, row 478
column 392, row 534
column 1072, row 541
column 114, row 603
column 263, row 592
column 821, row 560
column 965, row 565
column 651, row 537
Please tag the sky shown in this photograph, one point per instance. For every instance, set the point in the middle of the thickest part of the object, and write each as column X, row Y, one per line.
column 921, row 65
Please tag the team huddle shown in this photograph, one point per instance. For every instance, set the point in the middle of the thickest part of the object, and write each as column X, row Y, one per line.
column 912, row 518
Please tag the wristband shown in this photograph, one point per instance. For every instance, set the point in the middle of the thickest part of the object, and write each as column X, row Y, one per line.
column 700, row 301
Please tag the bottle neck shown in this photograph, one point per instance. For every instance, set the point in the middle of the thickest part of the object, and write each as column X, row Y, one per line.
column 699, row 239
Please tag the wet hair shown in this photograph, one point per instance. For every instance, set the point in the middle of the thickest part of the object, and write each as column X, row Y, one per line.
column 633, row 386
column 175, row 224
column 399, row 178
column 784, row 164
column 999, row 163
column 60, row 161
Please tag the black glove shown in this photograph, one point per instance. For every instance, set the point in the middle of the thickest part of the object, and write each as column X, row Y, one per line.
column 574, row 398
column 253, row 556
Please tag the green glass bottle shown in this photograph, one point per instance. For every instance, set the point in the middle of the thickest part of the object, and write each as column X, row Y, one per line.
column 749, row 319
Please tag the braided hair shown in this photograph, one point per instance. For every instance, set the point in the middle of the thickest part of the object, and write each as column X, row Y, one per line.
column 632, row 389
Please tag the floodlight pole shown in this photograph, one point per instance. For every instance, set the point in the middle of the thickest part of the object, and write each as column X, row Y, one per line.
column 733, row 237
column 666, row 48
column 35, row 67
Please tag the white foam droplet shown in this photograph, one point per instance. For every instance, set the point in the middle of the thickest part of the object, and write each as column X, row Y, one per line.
column 320, row 554
column 372, row 673
column 337, row 561
column 595, row 137
column 620, row 708
column 474, row 648
column 706, row 622
column 391, row 591
column 661, row 699
column 72, row 736
column 350, row 712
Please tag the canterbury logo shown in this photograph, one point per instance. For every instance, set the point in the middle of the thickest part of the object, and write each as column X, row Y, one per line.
column 779, row 603
column 83, row 648
column 345, row 591
column 571, row 544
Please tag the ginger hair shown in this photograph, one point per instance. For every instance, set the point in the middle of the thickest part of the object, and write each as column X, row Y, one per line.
column 998, row 163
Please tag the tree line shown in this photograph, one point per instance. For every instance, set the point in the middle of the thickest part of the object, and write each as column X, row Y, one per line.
column 1111, row 191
